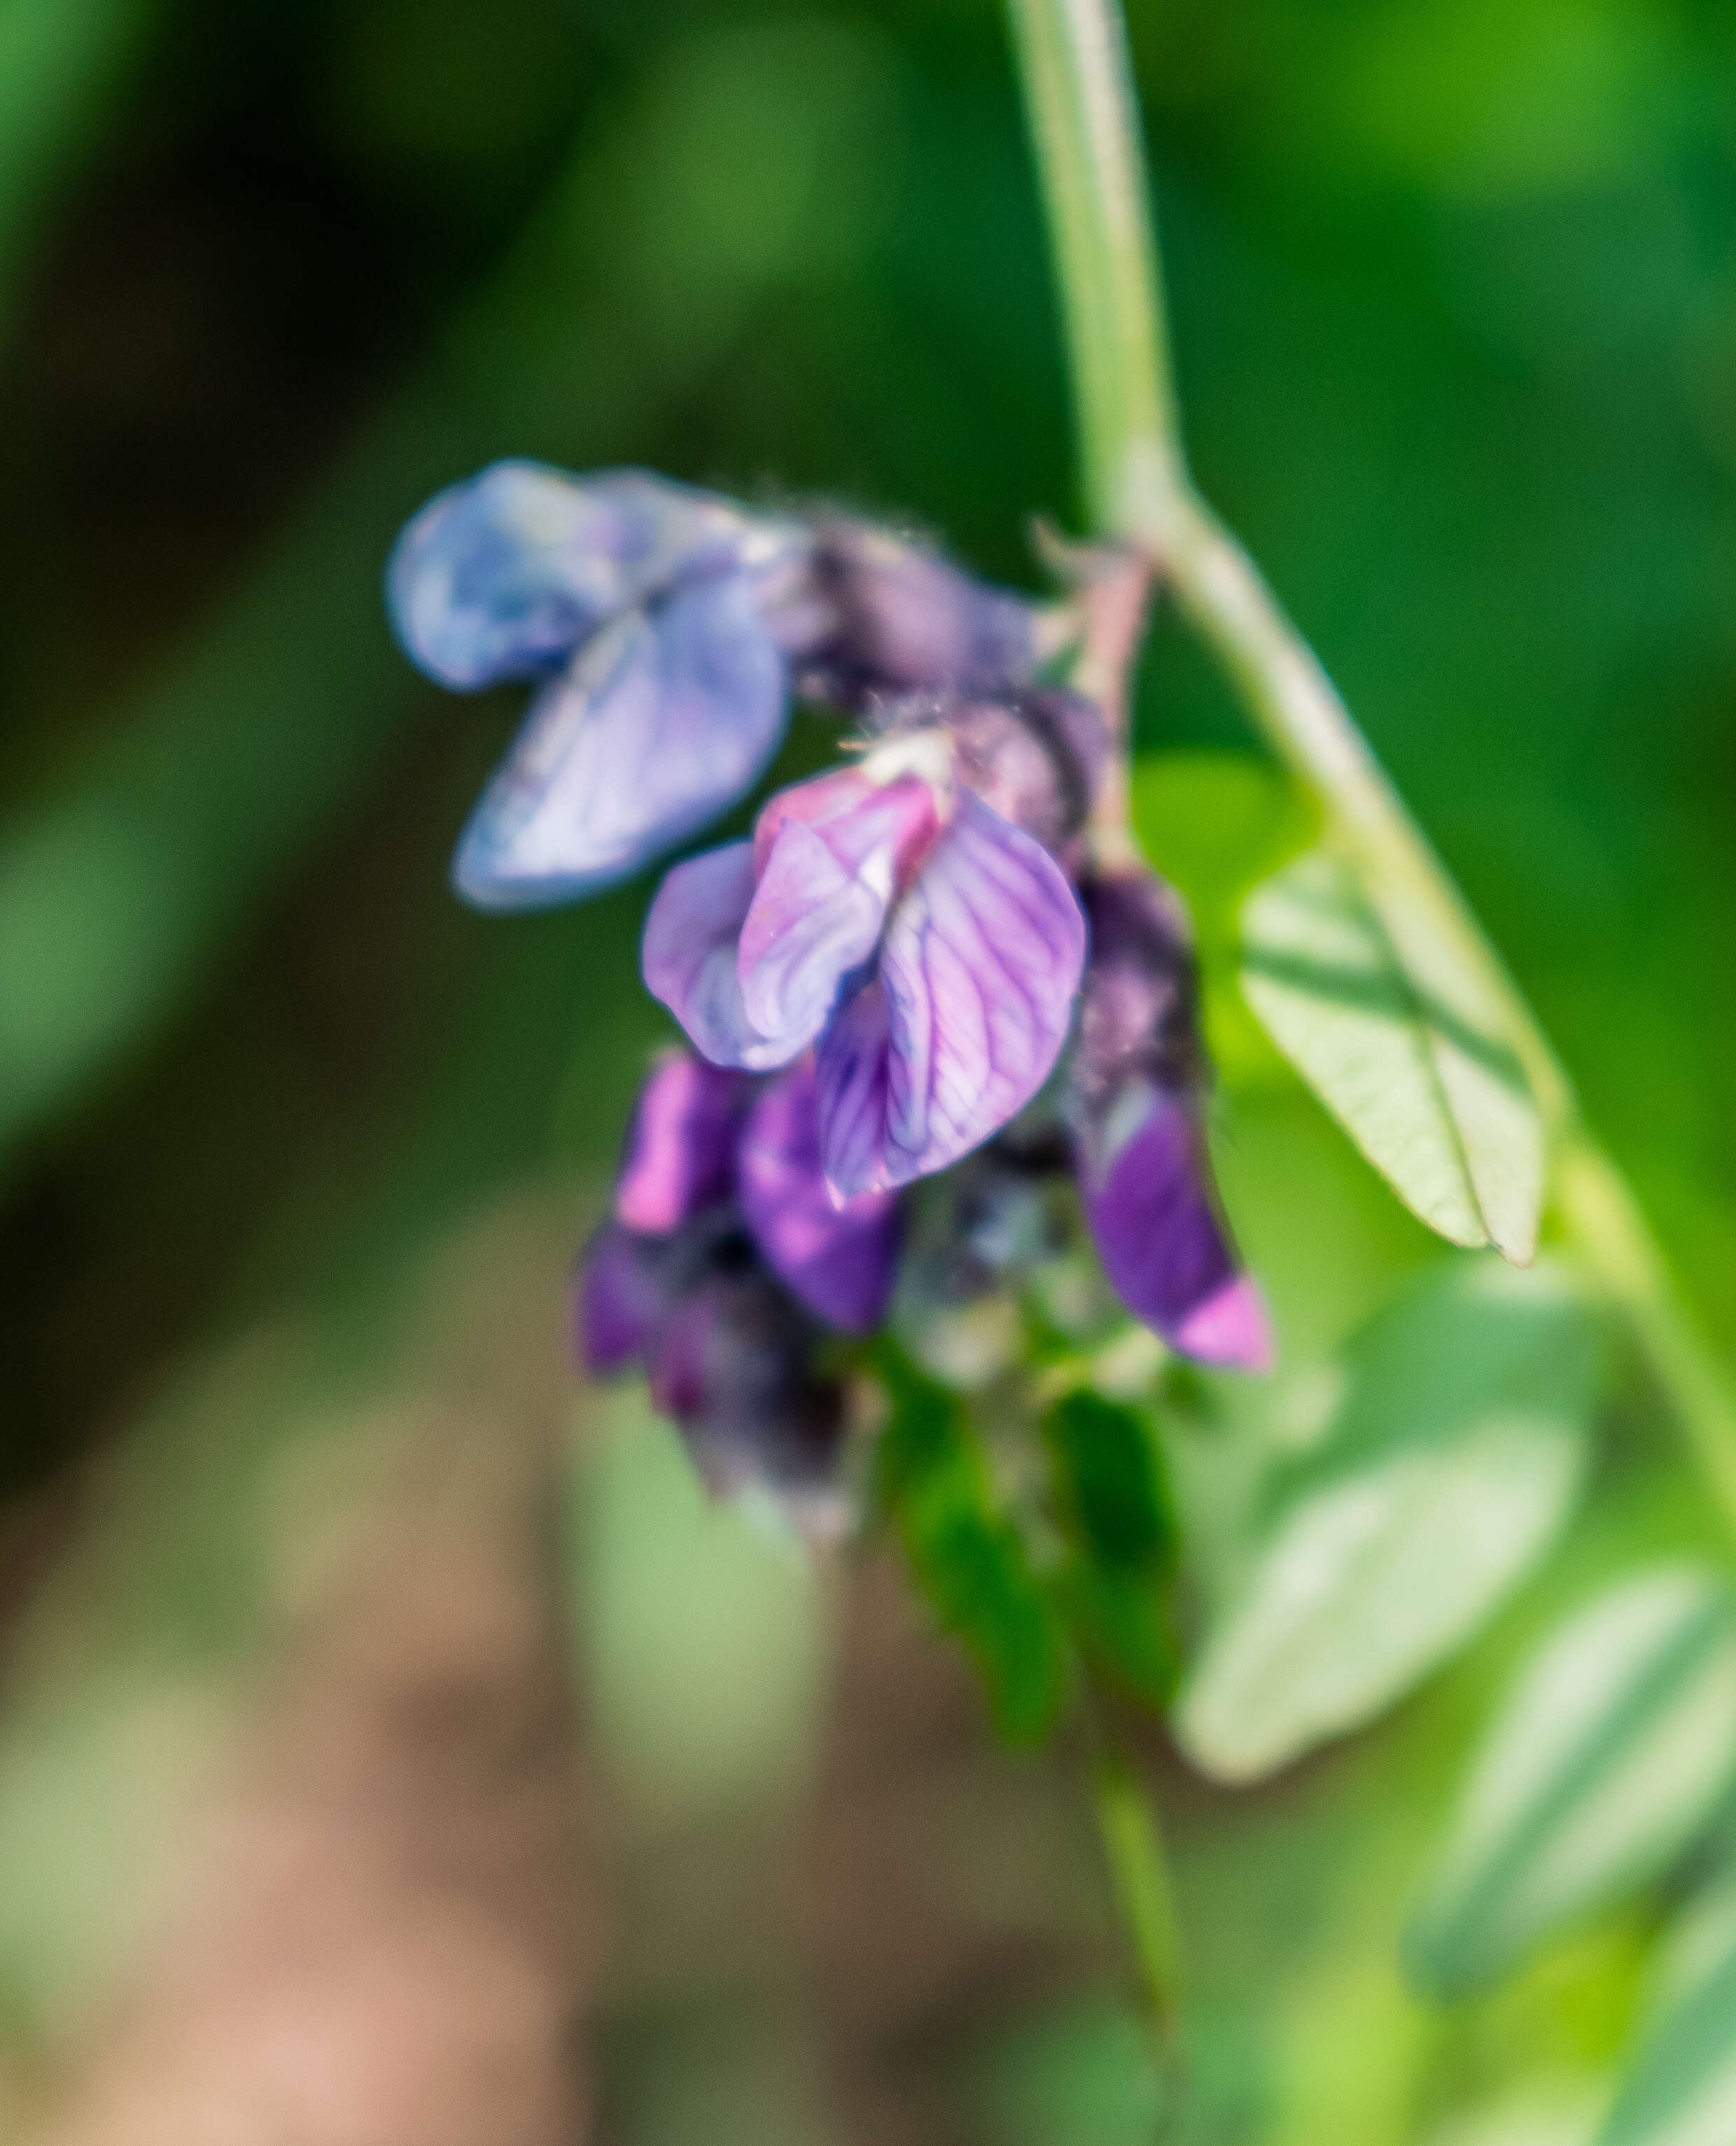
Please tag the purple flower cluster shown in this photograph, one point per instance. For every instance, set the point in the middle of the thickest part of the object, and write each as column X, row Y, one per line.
column 876, row 982
column 725, row 1261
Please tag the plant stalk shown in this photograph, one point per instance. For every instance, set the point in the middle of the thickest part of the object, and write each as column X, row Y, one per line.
column 1140, row 1879
column 1085, row 125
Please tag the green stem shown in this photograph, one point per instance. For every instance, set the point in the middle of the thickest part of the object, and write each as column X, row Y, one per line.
column 1084, row 124
column 1140, row 1879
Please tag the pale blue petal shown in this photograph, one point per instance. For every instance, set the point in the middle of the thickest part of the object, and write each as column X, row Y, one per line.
column 662, row 721
column 503, row 575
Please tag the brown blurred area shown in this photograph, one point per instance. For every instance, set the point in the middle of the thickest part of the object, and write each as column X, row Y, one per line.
column 408, row 1901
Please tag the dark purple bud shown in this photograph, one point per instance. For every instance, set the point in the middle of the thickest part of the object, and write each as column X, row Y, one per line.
column 1145, row 1178
column 680, row 1150
column 620, row 1293
column 1035, row 758
column 732, row 1363
column 1138, row 1010
column 900, row 619
column 838, row 1258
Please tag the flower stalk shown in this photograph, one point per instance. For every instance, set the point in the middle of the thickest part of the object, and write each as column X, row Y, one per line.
column 1085, row 125
column 1140, row 1880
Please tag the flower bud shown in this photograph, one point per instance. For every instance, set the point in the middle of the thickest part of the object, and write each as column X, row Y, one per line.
column 897, row 618
column 732, row 1363
column 1145, row 1177
column 1034, row 757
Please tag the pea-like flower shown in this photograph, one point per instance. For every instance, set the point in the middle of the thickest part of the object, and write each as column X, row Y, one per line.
column 642, row 604
column 929, row 949
column 666, row 625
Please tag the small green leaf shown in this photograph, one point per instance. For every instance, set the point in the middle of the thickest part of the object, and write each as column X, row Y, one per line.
column 1701, row 1936
column 1112, row 1502
column 1610, row 1756
column 1215, row 823
column 1681, row 2087
column 966, row 1554
column 1110, row 1482
column 1452, row 1456
column 1402, row 1043
column 1681, row 2090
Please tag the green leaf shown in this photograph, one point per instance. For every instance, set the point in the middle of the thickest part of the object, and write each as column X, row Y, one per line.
column 1681, row 2085
column 1450, row 1458
column 1215, row 823
column 1682, row 2088
column 1611, row 1754
column 1110, row 1482
column 1402, row 1045
column 966, row 1554
column 1113, row 1505
column 1700, row 1939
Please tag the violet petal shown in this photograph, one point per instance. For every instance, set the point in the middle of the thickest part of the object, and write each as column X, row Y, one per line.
column 680, row 1152
column 825, row 887
column 979, row 967
column 1149, row 1205
column 661, row 721
column 732, row 1362
column 903, row 618
column 689, row 959
column 618, row 1299
column 839, row 1261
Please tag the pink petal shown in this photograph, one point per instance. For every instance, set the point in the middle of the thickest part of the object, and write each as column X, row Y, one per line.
column 979, row 968
column 1230, row 1328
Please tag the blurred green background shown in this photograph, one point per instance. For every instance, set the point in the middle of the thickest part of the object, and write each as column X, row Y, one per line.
column 293, row 1151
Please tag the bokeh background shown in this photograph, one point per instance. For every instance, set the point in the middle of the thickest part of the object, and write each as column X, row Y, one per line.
column 393, row 1750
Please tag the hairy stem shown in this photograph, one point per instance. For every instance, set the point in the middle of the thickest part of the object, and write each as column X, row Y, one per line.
column 1084, row 124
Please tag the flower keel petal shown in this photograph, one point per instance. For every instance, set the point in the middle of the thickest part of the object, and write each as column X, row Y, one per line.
column 1163, row 1247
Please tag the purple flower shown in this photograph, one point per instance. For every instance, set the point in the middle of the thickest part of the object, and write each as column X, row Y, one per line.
column 1034, row 757
column 837, row 1258
column 884, row 912
column 725, row 1260
column 662, row 623
column 713, row 1153
column 642, row 605
column 734, row 1367
column 1145, row 1179
column 681, row 1150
